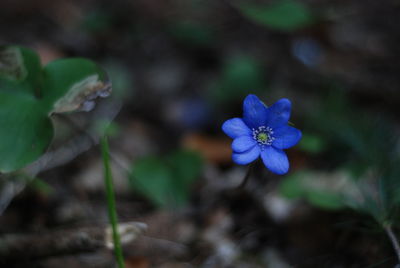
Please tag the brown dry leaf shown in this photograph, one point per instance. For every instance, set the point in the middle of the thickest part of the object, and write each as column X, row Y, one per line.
column 214, row 149
column 137, row 262
column 48, row 52
column 297, row 159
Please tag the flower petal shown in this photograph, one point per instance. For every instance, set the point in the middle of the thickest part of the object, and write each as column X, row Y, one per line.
column 286, row 137
column 243, row 143
column 275, row 160
column 235, row 127
column 279, row 113
column 254, row 112
column 246, row 157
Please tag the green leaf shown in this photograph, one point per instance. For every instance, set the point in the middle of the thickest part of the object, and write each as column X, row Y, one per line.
column 20, row 67
column 285, row 15
column 151, row 177
column 292, row 187
column 192, row 33
column 166, row 181
column 241, row 75
column 312, row 143
column 185, row 167
column 42, row 186
column 325, row 200
column 123, row 85
column 25, row 131
column 69, row 82
column 30, row 93
column 389, row 188
column 97, row 21
column 320, row 190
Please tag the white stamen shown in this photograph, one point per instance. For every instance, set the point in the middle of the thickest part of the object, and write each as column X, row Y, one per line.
column 263, row 136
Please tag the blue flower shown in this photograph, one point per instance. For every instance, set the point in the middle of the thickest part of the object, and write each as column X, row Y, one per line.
column 262, row 132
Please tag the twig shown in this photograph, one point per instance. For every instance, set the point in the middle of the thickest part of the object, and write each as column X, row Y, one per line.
column 62, row 242
column 393, row 239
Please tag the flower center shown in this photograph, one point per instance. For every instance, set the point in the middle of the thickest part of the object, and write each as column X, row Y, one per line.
column 263, row 135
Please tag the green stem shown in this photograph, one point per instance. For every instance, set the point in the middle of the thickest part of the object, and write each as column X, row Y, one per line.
column 111, row 201
column 393, row 239
column 246, row 177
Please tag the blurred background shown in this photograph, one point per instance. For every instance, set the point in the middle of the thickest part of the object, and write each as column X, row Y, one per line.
column 180, row 68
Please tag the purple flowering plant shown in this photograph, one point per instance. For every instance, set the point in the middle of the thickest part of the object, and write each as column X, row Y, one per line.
column 263, row 131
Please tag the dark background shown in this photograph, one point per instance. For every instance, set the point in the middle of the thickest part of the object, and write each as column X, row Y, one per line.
column 184, row 68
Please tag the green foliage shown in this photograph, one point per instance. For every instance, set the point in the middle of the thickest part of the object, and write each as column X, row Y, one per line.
column 42, row 186
column 284, row 15
column 166, row 181
column 106, row 128
column 241, row 75
column 365, row 145
column 97, row 21
column 389, row 185
column 317, row 189
column 381, row 194
column 123, row 85
column 353, row 135
column 312, row 143
column 192, row 33
column 29, row 94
